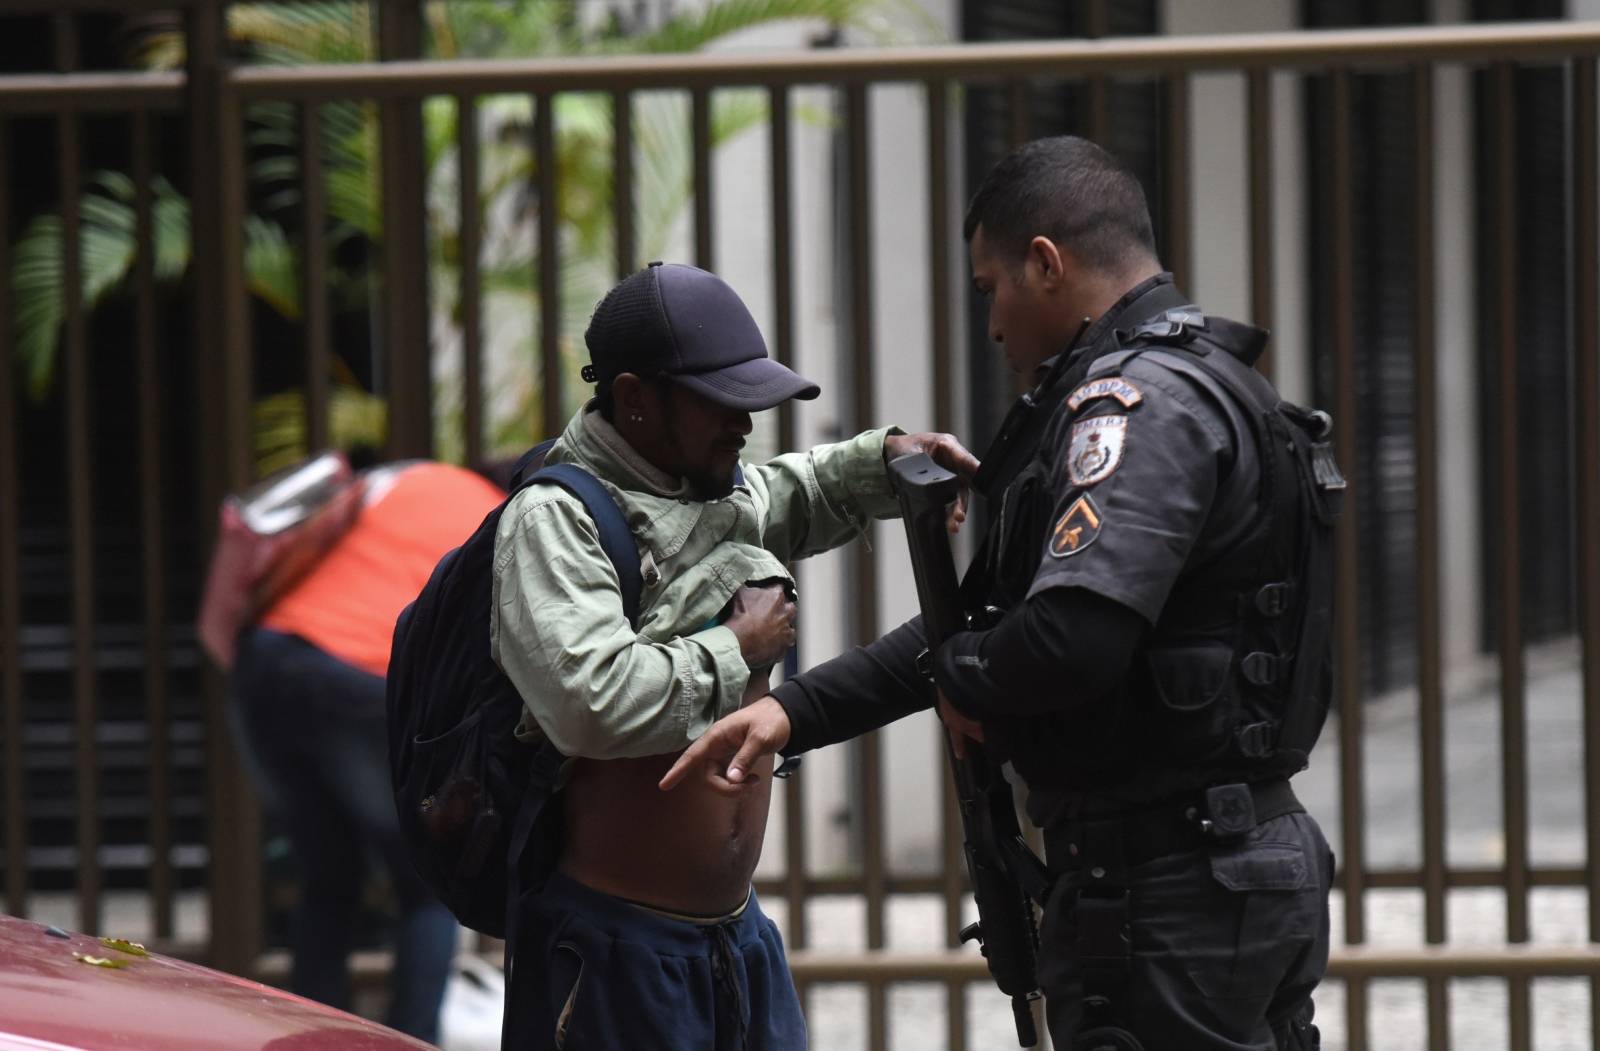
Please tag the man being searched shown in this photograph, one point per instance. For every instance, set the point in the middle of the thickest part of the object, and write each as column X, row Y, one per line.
column 648, row 934
column 1161, row 550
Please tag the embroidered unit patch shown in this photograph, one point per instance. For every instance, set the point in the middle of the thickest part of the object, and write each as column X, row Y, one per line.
column 1077, row 529
column 1096, row 449
column 1105, row 387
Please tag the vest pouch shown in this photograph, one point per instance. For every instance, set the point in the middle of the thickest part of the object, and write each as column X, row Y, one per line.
column 1192, row 696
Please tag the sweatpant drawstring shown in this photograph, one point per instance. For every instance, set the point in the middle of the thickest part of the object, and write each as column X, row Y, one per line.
column 731, row 1010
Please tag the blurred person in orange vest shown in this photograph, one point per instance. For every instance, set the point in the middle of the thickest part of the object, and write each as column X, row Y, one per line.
column 308, row 712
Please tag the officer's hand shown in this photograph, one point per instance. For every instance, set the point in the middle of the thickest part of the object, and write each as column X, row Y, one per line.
column 960, row 727
column 946, row 451
column 731, row 748
column 763, row 619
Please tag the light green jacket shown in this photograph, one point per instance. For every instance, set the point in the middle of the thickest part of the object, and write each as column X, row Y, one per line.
column 591, row 684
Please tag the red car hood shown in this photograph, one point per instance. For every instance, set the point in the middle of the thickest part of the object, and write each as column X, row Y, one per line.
column 54, row 996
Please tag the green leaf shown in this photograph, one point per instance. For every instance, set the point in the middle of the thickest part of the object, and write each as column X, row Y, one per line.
column 279, row 425
column 108, row 241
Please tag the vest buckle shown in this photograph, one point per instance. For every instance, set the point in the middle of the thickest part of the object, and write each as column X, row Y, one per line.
column 1263, row 669
column 1273, row 599
column 1255, row 740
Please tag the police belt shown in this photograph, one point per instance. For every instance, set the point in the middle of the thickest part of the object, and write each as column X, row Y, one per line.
column 1191, row 822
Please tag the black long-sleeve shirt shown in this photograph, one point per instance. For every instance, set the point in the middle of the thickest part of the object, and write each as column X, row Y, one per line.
column 1060, row 648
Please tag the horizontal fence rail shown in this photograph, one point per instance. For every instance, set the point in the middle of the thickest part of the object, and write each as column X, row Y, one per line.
column 220, row 101
column 1363, row 49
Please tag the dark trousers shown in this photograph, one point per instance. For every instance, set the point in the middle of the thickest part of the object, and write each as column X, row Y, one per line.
column 312, row 729
column 1227, row 944
column 595, row 973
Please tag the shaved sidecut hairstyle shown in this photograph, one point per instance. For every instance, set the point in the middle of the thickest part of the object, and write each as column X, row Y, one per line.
column 1071, row 191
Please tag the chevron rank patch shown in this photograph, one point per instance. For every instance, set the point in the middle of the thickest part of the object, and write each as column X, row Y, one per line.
column 1096, row 449
column 1077, row 529
column 1106, row 387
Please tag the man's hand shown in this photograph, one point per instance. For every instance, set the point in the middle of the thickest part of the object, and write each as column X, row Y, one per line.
column 960, row 727
column 946, row 451
column 732, row 746
column 763, row 618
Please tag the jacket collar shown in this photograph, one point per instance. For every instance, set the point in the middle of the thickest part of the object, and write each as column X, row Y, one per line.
column 592, row 442
column 1148, row 299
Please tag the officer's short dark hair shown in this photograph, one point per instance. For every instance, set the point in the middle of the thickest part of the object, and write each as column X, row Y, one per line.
column 1071, row 191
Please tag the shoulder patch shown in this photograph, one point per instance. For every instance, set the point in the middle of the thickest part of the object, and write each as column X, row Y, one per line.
column 1095, row 450
column 1077, row 529
column 1116, row 387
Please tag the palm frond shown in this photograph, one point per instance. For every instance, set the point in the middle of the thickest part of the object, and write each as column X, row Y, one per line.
column 501, row 29
column 108, row 246
column 693, row 29
column 107, row 242
column 279, row 424
column 274, row 34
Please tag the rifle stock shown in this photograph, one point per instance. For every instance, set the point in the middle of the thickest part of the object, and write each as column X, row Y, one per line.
column 998, row 859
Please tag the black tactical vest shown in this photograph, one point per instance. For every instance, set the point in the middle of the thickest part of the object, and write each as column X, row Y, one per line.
column 1233, row 682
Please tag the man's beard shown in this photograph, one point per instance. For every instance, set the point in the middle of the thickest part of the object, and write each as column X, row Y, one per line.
column 710, row 486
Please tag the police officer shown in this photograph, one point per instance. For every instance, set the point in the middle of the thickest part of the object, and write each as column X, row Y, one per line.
column 1160, row 546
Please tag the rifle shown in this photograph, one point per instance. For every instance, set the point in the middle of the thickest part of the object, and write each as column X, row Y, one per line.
column 1002, row 868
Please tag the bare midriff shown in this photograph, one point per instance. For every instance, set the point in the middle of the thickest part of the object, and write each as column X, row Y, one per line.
column 690, row 850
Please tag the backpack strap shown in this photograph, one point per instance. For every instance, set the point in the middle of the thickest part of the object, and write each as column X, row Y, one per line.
column 529, row 463
column 616, row 539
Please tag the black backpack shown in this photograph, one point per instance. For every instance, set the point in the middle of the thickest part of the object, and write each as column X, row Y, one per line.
column 472, row 800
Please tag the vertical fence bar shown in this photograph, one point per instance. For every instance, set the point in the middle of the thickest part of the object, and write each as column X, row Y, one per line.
column 794, row 810
column 202, row 74
column 704, row 243
column 782, row 261
column 223, row 365
column 549, row 262
column 1586, row 427
column 315, row 255
column 79, row 445
column 64, row 42
column 405, row 241
column 1508, row 548
column 1096, row 125
column 243, row 897
column 954, row 890
column 1347, row 638
column 80, row 509
column 938, row 94
column 203, row 36
column 152, row 532
column 1021, row 116
column 944, row 412
column 16, row 888
column 1430, row 690
column 470, row 224
column 1175, row 165
column 622, row 182
column 1259, row 90
column 866, row 582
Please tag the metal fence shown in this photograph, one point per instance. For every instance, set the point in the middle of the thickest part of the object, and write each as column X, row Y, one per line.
column 215, row 96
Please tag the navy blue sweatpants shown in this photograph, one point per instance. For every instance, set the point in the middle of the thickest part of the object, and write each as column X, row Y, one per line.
column 596, row 973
